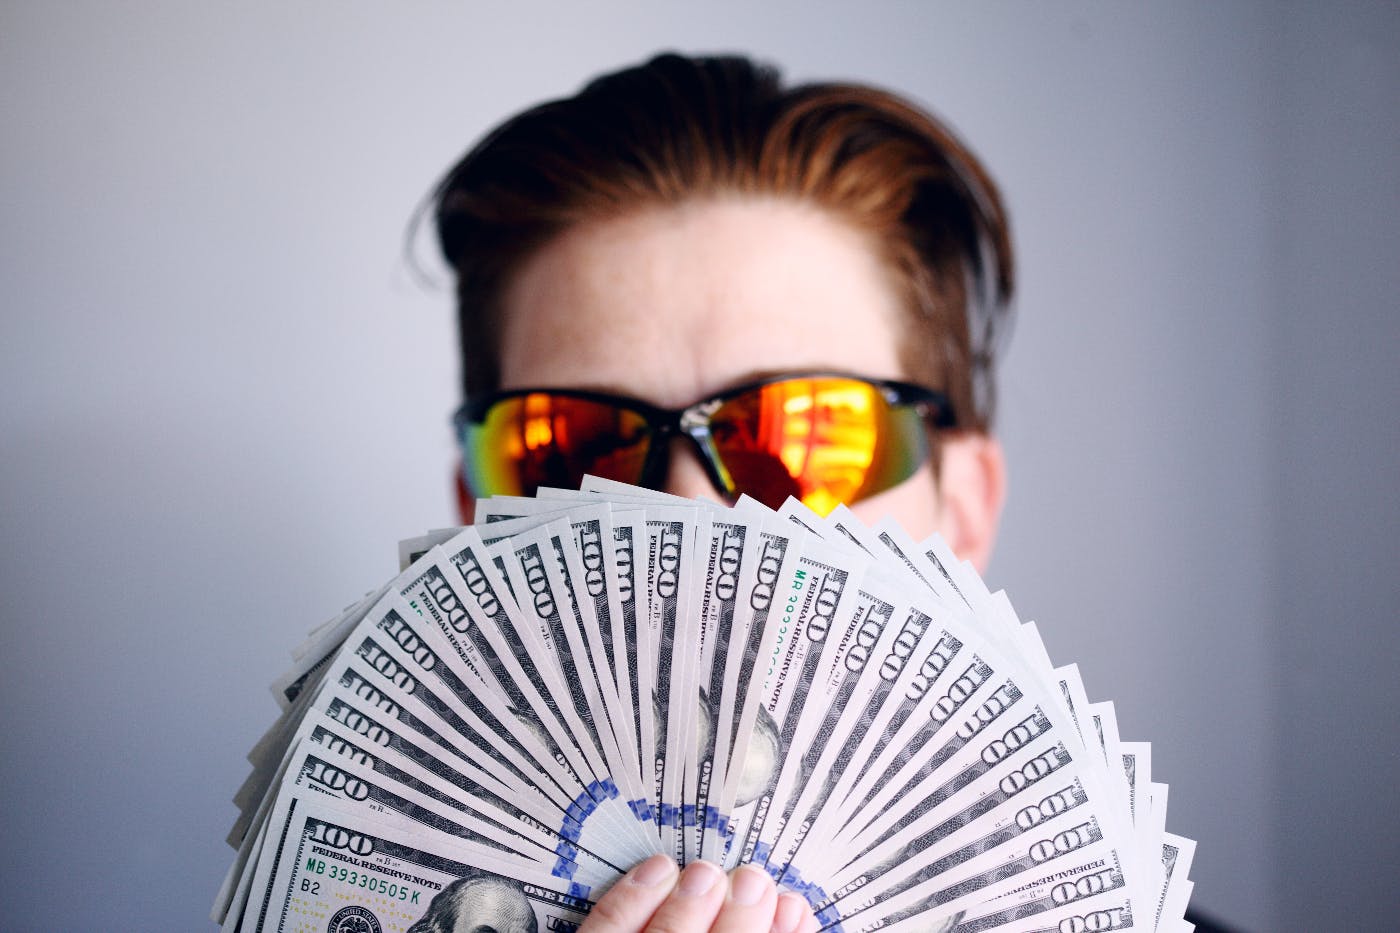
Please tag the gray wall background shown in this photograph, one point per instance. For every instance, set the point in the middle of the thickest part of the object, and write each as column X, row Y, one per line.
column 224, row 397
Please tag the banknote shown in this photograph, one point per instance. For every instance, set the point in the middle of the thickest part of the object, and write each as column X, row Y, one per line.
column 671, row 533
column 745, row 737
column 1177, row 854
column 820, row 599
column 332, row 868
column 729, row 582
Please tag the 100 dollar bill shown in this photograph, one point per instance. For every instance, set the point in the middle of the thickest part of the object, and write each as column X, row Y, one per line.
column 323, row 871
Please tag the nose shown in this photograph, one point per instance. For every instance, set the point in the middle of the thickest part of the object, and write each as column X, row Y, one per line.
column 685, row 472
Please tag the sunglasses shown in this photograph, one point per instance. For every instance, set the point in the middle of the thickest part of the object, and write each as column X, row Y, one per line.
column 822, row 438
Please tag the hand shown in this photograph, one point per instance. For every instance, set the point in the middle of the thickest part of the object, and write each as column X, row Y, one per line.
column 656, row 898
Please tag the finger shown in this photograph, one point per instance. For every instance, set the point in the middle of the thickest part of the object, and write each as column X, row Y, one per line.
column 693, row 903
column 630, row 902
column 792, row 913
column 749, row 904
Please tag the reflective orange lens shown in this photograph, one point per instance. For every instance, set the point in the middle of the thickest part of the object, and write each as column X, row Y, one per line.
column 824, row 440
column 540, row 439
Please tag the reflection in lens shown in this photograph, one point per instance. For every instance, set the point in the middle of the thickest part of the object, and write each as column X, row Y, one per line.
column 824, row 440
column 544, row 439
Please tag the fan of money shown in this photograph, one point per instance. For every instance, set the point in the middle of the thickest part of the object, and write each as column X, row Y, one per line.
column 582, row 679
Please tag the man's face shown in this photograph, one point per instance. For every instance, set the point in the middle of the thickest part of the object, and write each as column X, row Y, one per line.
column 674, row 304
column 489, row 905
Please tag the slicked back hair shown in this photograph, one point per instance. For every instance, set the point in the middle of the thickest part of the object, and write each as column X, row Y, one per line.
column 678, row 129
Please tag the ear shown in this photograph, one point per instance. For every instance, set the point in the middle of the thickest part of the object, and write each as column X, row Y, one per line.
column 466, row 503
column 971, row 491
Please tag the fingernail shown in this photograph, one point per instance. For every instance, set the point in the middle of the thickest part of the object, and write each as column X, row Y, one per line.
column 652, row 872
column 748, row 885
column 698, row 878
column 792, row 910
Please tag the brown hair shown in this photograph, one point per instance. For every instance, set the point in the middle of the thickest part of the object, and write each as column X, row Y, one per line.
column 678, row 128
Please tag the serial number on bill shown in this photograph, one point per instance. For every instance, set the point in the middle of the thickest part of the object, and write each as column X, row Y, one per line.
column 358, row 879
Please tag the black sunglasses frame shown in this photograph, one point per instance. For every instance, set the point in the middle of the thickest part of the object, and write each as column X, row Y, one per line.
column 693, row 421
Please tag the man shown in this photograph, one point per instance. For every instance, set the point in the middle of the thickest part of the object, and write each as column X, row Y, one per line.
column 693, row 278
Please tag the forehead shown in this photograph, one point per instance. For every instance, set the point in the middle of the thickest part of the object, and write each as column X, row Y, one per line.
column 671, row 303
